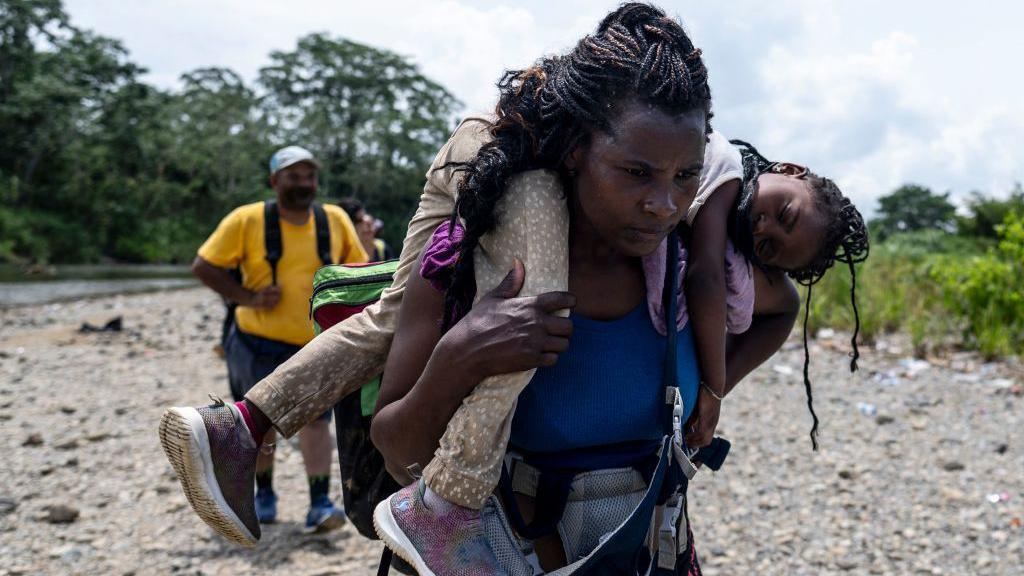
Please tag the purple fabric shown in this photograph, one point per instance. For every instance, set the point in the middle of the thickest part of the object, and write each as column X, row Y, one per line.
column 441, row 255
column 443, row 251
column 739, row 285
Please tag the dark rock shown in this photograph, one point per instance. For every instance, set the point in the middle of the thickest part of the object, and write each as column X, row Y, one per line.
column 952, row 466
column 1002, row 448
column 61, row 514
column 114, row 325
column 883, row 419
column 7, row 505
column 847, row 474
column 34, row 439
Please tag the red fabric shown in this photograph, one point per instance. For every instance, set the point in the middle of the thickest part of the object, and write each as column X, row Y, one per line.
column 694, row 564
column 254, row 430
column 330, row 314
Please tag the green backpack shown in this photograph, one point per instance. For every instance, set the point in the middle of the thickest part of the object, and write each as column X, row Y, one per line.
column 343, row 290
column 340, row 291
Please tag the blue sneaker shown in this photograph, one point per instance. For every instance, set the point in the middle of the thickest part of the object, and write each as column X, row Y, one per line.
column 324, row 517
column 266, row 506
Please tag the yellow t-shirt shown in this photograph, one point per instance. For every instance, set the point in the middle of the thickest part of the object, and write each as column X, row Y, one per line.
column 238, row 241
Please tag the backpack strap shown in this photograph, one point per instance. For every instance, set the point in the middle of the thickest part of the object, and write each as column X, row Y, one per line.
column 323, row 234
column 670, row 304
column 553, row 485
column 272, row 237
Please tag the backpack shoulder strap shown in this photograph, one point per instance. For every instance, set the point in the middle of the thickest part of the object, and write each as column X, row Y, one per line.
column 670, row 304
column 272, row 236
column 323, row 234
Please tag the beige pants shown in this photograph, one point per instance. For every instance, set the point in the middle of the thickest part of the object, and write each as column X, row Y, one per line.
column 533, row 226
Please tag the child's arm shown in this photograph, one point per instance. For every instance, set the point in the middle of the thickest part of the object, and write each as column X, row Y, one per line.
column 705, row 283
column 705, row 301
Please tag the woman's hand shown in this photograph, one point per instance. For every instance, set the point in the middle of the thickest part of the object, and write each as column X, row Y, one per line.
column 703, row 421
column 504, row 334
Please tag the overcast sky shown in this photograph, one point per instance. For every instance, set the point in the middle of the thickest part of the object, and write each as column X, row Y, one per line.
column 872, row 93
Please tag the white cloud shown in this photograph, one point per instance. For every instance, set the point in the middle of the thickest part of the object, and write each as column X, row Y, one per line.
column 869, row 92
column 978, row 152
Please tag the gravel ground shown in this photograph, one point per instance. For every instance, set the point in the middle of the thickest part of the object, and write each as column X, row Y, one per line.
column 919, row 472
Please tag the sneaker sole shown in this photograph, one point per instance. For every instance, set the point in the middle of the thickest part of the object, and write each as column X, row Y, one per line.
column 184, row 440
column 387, row 528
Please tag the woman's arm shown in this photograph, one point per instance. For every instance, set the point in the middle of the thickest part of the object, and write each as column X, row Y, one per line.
column 405, row 426
column 427, row 376
column 776, row 306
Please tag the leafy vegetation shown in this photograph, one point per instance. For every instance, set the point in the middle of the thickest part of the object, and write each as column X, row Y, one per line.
column 963, row 289
column 95, row 163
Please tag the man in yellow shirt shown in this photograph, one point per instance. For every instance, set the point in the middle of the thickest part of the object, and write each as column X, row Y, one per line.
column 272, row 318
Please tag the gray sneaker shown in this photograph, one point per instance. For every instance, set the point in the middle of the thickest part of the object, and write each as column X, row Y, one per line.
column 214, row 455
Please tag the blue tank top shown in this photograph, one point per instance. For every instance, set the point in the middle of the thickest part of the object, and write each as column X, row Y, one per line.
column 607, row 388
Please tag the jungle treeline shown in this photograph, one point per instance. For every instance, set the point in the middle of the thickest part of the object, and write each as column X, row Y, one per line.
column 96, row 164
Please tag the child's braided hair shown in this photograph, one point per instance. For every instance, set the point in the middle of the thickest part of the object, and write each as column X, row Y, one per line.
column 547, row 110
column 846, row 240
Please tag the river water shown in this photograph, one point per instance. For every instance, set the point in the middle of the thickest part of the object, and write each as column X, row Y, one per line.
column 65, row 283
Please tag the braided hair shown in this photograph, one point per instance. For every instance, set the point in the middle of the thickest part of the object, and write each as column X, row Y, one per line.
column 846, row 240
column 544, row 112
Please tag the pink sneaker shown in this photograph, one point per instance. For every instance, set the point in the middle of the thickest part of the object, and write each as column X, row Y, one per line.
column 448, row 541
column 214, row 456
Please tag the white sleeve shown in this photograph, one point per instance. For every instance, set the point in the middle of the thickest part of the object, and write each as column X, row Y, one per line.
column 721, row 164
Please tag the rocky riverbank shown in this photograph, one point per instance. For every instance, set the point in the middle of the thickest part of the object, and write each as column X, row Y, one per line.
column 921, row 467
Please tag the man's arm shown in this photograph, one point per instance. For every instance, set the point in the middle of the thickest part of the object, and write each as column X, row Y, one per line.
column 776, row 306
column 220, row 281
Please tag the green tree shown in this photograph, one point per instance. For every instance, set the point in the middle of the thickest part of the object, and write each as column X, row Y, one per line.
column 57, row 87
column 368, row 114
column 912, row 207
column 988, row 291
column 220, row 141
column 95, row 163
column 986, row 213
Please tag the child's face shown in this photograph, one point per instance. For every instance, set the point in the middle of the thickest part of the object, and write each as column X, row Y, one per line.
column 786, row 225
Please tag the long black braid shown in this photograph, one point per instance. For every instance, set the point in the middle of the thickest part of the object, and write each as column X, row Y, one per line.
column 846, row 240
column 546, row 111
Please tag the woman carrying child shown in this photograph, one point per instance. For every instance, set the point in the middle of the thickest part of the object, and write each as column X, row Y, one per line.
column 623, row 123
column 620, row 124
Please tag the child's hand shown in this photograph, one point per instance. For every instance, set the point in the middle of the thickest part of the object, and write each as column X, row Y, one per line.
column 702, row 423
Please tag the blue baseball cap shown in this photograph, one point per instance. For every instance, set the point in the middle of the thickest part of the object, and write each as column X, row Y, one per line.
column 289, row 155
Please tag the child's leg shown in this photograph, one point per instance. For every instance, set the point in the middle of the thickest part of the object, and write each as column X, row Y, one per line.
column 353, row 352
column 534, row 227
